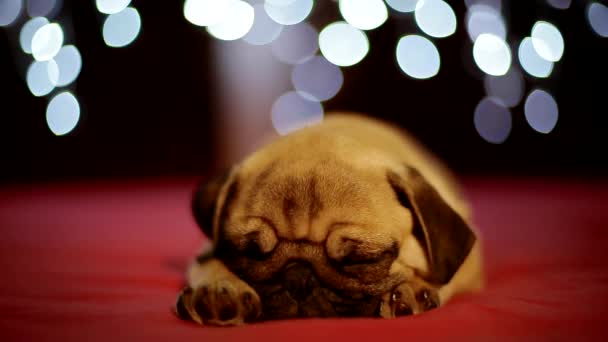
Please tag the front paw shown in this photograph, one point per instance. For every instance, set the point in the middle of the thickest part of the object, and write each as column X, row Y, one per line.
column 221, row 302
column 408, row 299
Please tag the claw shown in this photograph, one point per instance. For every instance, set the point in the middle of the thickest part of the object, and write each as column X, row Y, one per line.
column 180, row 307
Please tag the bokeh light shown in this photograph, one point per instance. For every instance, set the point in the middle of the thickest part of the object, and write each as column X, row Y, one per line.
column 418, row 57
column 597, row 15
column 509, row 88
column 343, row 44
column 264, row 29
column 560, row 4
column 42, row 8
column 41, row 77
column 547, row 41
column 237, row 22
column 288, row 12
column 531, row 62
column 485, row 19
column 62, row 113
column 318, row 78
column 47, row 41
column 111, row 6
column 10, row 11
column 541, row 111
column 404, row 6
column 296, row 44
column 28, row 30
column 435, row 18
column 205, row 12
column 492, row 121
column 278, row 2
column 69, row 62
column 364, row 14
column 122, row 28
column 491, row 54
column 497, row 4
column 292, row 111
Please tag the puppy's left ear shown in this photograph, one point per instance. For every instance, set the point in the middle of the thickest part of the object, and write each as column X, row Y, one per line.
column 209, row 198
column 447, row 238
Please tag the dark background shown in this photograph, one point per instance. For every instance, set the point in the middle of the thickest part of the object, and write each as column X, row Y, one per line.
column 149, row 109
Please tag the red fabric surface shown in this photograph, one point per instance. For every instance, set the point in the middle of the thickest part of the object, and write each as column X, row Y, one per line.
column 104, row 261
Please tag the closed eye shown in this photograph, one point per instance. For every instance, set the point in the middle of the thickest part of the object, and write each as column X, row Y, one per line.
column 360, row 257
column 252, row 248
column 367, row 267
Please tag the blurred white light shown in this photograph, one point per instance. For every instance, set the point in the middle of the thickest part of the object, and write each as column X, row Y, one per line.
column 531, row 62
column 597, row 14
column 47, row 41
column 42, row 8
column 491, row 54
column 541, row 111
column 122, row 28
column 317, row 78
column 279, row 2
column 403, row 5
column 560, row 4
column 293, row 111
column 547, row 41
column 237, row 22
column 364, row 14
column 288, row 12
column 264, row 29
column 296, row 44
column 418, row 57
column 69, row 62
column 53, row 71
column 435, row 18
column 342, row 44
column 485, row 19
column 497, row 4
column 10, row 11
column 111, row 6
column 63, row 113
column 41, row 77
column 205, row 12
column 509, row 89
column 27, row 32
column 492, row 121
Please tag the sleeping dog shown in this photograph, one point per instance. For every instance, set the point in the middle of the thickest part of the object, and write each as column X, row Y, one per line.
column 346, row 218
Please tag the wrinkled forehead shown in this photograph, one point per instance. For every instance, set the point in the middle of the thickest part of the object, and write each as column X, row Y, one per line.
column 317, row 185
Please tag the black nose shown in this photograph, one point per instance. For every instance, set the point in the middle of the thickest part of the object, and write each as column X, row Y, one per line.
column 299, row 280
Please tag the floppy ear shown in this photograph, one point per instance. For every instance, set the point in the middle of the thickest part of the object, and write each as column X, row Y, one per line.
column 447, row 238
column 206, row 199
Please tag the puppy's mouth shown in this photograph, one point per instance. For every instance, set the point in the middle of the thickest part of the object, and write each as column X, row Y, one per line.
column 298, row 292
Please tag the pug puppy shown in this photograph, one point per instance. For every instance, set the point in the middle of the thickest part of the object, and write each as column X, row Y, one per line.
column 346, row 218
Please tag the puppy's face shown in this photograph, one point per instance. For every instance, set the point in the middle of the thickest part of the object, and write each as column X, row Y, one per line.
column 319, row 236
column 313, row 240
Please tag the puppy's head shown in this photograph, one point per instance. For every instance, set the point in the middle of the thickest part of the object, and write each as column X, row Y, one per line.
column 318, row 236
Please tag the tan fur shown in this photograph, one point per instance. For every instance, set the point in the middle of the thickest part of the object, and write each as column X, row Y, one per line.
column 325, row 185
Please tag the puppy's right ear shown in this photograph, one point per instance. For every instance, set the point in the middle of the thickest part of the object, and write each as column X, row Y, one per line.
column 446, row 236
column 207, row 198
